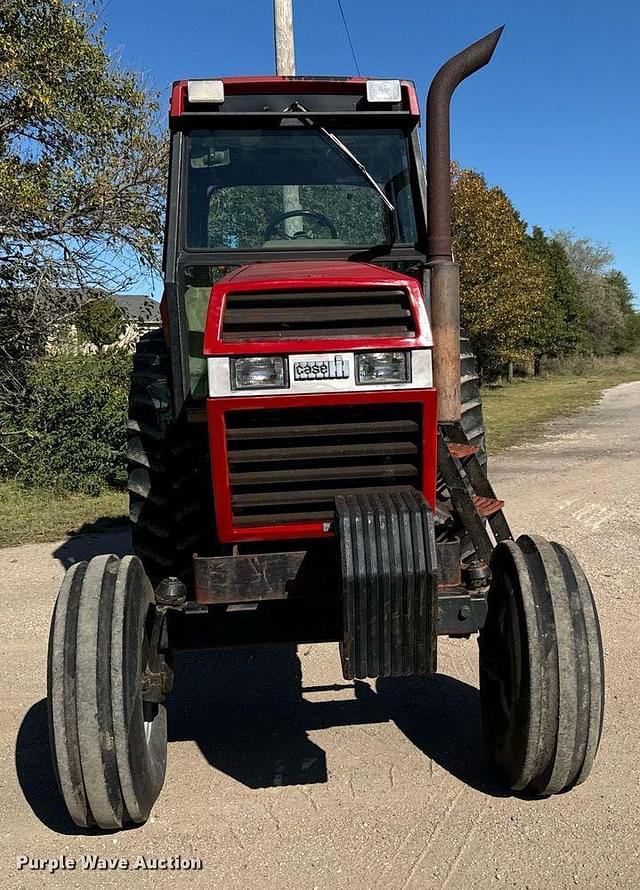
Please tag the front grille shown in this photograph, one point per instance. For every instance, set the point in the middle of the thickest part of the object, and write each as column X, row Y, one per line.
column 379, row 312
column 288, row 465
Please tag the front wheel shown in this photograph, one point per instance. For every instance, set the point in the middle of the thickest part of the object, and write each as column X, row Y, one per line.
column 541, row 667
column 109, row 744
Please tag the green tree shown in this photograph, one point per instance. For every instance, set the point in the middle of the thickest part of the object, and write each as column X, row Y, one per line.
column 81, row 175
column 627, row 337
column 75, row 422
column 503, row 284
column 604, row 293
column 561, row 323
column 100, row 321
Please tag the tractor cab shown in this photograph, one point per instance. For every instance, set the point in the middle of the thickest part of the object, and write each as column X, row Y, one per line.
column 286, row 169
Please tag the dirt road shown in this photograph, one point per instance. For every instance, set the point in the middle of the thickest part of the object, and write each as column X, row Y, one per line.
column 282, row 775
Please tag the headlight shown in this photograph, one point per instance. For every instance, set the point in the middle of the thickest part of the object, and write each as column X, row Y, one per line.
column 258, row 372
column 383, row 367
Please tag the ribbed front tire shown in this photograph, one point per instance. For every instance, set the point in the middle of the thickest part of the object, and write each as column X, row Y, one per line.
column 109, row 747
column 541, row 667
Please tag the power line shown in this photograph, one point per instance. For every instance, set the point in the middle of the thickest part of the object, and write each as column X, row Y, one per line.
column 105, row 5
column 346, row 28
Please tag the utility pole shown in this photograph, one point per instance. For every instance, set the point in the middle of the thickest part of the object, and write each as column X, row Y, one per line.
column 286, row 67
column 283, row 38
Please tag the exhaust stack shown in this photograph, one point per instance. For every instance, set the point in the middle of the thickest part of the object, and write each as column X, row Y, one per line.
column 445, row 280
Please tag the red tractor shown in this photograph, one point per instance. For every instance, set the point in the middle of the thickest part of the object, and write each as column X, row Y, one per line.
column 306, row 447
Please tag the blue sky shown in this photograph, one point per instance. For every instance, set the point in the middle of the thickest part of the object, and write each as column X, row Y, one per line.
column 554, row 120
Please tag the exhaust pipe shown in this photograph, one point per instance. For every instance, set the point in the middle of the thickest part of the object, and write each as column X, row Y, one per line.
column 441, row 90
column 445, row 279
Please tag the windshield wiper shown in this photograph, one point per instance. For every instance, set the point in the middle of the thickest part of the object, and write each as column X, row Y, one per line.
column 348, row 154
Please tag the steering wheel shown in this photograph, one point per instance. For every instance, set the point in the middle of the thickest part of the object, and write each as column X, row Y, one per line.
column 323, row 220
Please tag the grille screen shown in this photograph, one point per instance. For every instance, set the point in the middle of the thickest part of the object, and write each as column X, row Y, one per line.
column 271, row 316
column 288, row 465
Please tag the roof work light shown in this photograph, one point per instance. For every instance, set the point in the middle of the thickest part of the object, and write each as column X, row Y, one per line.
column 383, row 91
column 210, row 91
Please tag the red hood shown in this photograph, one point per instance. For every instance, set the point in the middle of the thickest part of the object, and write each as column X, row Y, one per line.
column 307, row 275
column 296, row 274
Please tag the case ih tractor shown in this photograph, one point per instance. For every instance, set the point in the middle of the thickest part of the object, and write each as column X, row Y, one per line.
column 306, row 448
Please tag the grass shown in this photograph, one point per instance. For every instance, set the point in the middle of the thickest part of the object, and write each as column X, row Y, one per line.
column 513, row 413
column 31, row 515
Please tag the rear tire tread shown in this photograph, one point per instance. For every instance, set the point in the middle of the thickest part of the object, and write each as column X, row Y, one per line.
column 170, row 503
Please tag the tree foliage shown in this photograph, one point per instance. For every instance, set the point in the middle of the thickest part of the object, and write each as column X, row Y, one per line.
column 72, row 428
column 100, row 321
column 627, row 335
column 503, row 284
column 610, row 323
column 561, row 325
column 81, row 174
column 525, row 296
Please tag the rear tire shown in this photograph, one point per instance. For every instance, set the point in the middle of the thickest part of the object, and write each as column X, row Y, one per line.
column 170, row 498
column 109, row 748
column 471, row 419
column 472, row 422
column 541, row 668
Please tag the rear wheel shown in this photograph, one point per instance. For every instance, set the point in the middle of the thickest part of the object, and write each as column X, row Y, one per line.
column 109, row 747
column 472, row 422
column 541, row 667
column 471, row 418
column 170, row 499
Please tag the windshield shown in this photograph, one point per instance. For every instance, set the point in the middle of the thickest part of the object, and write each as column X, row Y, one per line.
column 290, row 187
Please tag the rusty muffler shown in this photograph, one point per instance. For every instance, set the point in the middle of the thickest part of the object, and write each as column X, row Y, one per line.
column 445, row 280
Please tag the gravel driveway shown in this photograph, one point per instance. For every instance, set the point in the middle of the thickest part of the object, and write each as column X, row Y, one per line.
column 283, row 775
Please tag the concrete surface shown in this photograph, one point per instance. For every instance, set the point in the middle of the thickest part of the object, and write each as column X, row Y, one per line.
column 282, row 775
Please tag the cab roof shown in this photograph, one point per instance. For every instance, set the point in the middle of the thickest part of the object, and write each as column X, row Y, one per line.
column 271, row 95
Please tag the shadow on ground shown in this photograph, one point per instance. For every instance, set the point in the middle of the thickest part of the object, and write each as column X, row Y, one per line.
column 250, row 716
column 35, row 772
column 94, row 538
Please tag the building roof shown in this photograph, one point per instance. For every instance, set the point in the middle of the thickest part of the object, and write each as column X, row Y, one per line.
column 138, row 307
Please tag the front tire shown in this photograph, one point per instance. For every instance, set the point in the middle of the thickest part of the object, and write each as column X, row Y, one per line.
column 541, row 668
column 109, row 747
